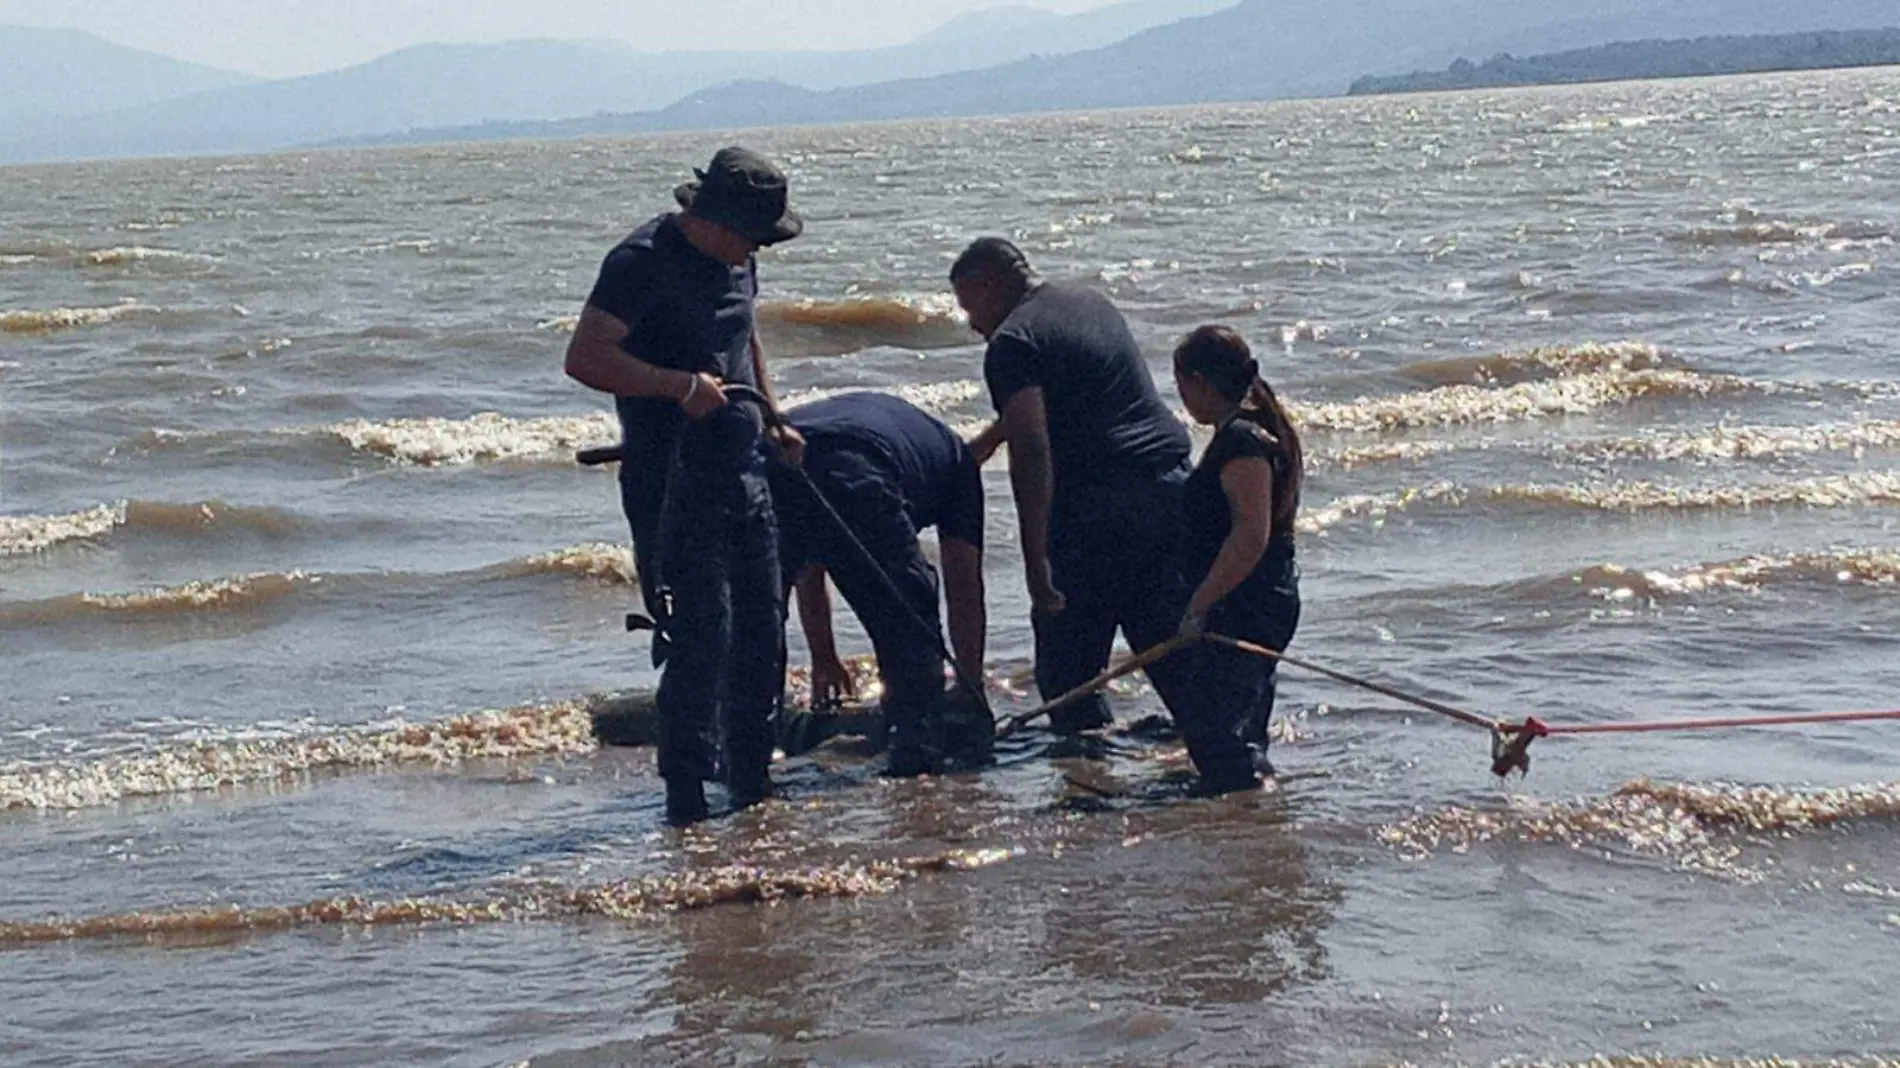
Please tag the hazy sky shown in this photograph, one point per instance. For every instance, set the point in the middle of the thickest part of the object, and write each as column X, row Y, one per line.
column 283, row 37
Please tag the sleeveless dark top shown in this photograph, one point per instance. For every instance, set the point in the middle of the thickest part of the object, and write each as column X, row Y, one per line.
column 1209, row 518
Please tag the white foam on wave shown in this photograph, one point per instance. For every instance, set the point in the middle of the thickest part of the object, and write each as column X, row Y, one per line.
column 42, row 321
column 488, row 436
column 937, row 398
column 597, row 560
column 266, row 756
column 119, row 256
column 1836, row 491
column 1846, row 567
column 24, row 534
column 1525, row 401
column 1747, row 442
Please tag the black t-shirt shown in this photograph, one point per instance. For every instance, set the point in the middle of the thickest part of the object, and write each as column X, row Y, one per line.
column 684, row 311
column 933, row 470
column 1209, row 517
column 1106, row 419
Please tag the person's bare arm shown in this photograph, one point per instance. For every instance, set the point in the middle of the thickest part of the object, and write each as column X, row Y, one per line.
column 790, row 441
column 963, row 597
column 830, row 679
column 596, row 360
column 985, row 444
column 1025, row 424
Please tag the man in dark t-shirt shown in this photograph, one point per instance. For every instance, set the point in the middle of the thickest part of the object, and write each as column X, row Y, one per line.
column 890, row 471
column 668, row 327
column 1097, row 463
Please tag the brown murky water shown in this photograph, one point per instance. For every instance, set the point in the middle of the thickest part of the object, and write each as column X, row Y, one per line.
column 302, row 607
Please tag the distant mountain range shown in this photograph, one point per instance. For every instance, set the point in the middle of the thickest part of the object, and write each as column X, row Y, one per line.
column 48, row 73
column 1655, row 59
column 1256, row 50
column 1135, row 53
column 451, row 85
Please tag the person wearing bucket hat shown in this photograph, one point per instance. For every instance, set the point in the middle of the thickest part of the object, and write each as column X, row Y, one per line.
column 744, row 192
column 668, row 326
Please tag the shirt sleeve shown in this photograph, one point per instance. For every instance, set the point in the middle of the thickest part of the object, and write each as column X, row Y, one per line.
column 625, row 287
column 1010, row 366
column 962, row 518
column 1243, row 441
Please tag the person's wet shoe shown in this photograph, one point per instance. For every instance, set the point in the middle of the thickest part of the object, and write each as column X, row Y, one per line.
column 685, row 802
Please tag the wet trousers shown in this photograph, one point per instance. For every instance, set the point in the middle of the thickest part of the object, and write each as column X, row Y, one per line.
column 905, row 630
column 1225, row 720
column 1112, row 549
column 710, row 539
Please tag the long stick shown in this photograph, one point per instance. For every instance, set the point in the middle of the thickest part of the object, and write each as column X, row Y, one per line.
column 1398, row 695
column 1093, row 686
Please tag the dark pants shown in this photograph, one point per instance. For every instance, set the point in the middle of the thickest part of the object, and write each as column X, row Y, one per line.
column 715, row 543
column 905, row 630
column 1112, row 548
column 1225, row 721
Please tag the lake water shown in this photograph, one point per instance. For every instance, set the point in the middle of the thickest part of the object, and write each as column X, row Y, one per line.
column 303, row 602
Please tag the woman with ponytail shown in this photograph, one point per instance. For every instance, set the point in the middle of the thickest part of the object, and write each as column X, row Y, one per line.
column 1240, row 503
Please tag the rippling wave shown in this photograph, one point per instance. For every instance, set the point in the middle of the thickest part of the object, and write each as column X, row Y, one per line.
column 22, row 534
column 32, row 533
column 130, row 254
column 1524, row 401
column 1697, row 827
column 30, row 321
column 1869, row 567
column 631, row 899
column 840, row 327
column 1836, row 491
column 1386, row 452
column 1747, row 442
column 180, row 768
column 224, row 594
column 599, row 560
column 490, row 436
column 938, row 398
column 1747, row 227
column 1557, row 361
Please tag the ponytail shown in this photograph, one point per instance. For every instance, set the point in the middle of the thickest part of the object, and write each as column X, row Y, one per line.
column 1264, row 410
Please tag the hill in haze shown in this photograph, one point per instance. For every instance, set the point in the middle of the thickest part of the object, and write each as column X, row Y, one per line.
column 449, row 85
column 70, row 72
column 1655, row 59
column 1257, row 50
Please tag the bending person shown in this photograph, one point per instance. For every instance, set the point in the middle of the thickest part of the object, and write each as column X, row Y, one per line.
column 669, row 324
column 1097, row 463
column 1241, row 504
column 889, row 470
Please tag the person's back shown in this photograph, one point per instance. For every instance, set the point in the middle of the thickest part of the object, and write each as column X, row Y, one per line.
column 934, row 471
column 1106, row 418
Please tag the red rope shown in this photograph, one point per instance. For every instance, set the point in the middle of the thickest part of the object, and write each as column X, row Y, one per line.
column 1711, row 724
column 1511, row 741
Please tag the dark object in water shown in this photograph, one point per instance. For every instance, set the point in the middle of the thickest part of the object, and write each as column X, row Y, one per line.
column 631, row 720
